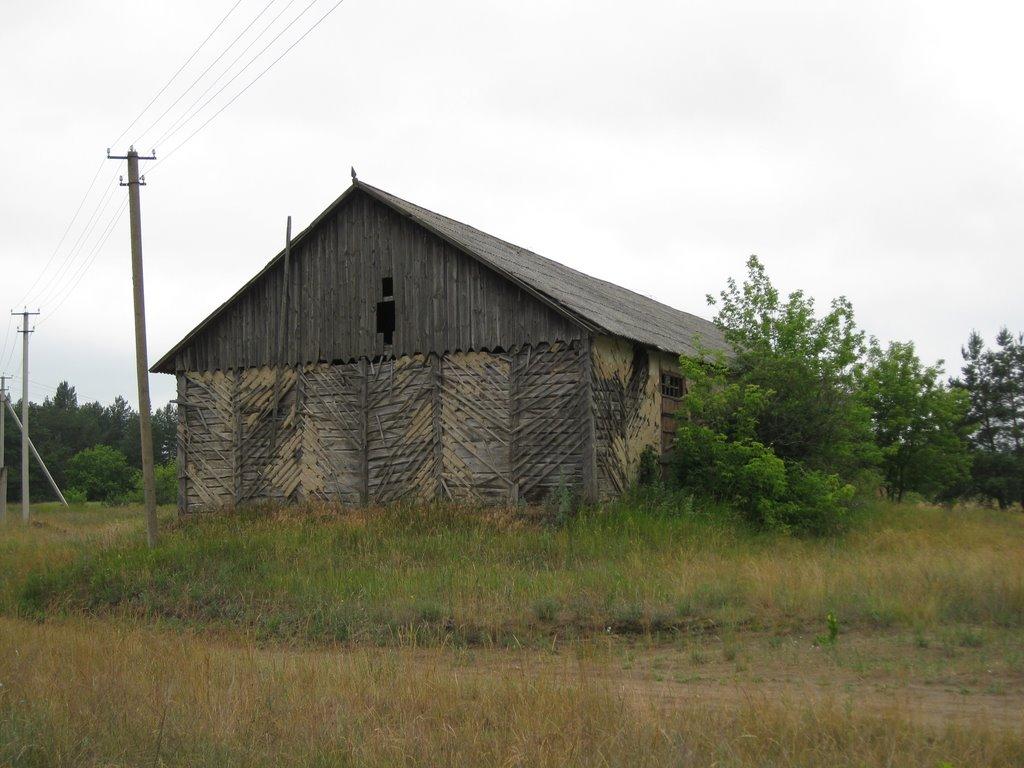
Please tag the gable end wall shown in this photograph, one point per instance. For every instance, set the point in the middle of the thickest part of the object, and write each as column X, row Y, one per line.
column 445, row 300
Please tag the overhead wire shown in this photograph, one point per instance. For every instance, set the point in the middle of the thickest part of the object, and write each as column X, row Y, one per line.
column 175, row 75
column 102, row 206
column 191, row 110
column 97, row 212
column 63, row 236
column 76, row 278
column 255, row 79
column 3, row 349
column 202, row 74
column 55, row 290
column 239, row 73
column 62, row 293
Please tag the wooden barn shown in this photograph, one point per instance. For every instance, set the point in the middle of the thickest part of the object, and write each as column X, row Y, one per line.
column 391, row 352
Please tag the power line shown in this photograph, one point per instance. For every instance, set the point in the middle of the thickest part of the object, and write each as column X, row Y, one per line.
column 87, row 264
column 175, row 75
column 92, row 183
column 67, row 229
column 191, row 111
column 257, row 78
column 101, row 208
column 248, row 64
column 208, row 68
column 3, row 349
column 63, row 292
column 68, row 256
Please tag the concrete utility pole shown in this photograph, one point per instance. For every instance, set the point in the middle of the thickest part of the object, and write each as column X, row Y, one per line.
column 25, row 331
column 3, row 463
column 39, row 459
column 141, row 355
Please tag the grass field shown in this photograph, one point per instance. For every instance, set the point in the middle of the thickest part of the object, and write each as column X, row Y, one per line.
column 627, row 636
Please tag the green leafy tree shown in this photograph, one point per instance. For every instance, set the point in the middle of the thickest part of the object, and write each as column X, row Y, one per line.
column 776, row 428
column 102, row 473
column 718, row 455
column 808, row 368
column 919, row 423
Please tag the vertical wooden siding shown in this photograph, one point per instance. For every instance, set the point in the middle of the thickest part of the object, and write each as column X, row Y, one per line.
column 444, row 299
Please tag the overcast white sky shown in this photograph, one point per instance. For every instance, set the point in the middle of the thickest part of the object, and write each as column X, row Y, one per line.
column 872, row 149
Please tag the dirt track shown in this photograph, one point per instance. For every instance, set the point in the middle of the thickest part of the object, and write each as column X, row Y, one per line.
column 952, row 693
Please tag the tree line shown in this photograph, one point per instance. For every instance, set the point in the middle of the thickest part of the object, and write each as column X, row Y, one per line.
column 92, row 450
column 809, row 414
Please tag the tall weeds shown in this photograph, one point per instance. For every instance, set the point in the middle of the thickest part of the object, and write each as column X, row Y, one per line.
column 444, row 575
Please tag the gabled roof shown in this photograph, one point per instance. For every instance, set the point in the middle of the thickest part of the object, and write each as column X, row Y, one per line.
column 595, row 304
column 617, row 310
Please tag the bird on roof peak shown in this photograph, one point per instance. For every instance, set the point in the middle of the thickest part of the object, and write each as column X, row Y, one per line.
column 353, row 169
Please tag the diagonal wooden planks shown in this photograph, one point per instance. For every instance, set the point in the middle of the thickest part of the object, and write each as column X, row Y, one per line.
column 495, row 427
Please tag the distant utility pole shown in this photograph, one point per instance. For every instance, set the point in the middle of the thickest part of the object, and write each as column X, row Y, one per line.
column 141, row 355
column 3, row 436
column 39, row 459
column 25, row 331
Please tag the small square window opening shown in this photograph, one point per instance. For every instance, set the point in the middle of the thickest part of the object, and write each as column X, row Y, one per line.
column 671, row 385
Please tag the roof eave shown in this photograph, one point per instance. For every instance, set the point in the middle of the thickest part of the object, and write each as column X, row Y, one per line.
column 166, row 363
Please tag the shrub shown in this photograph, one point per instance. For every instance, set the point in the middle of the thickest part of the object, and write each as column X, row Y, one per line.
column 771, row 430
column 718, row 455
column 101, row 473
column 167, row 483
column 649, row 469
column 75, row 496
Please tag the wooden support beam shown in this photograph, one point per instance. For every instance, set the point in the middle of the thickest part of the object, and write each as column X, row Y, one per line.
column 182, row 445
column 236, row 408
column 590, row 485
column 364, row 471
column 437, row 384
column 513, row 424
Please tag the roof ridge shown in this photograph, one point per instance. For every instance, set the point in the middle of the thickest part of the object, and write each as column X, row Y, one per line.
column 713, row 332
column 596, row 304
column 609, row 283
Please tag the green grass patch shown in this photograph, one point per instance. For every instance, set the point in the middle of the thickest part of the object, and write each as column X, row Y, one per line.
column 441, row 574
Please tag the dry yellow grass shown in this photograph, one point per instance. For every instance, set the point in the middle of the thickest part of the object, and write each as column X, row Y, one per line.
column 928, row 670
column 90, row 694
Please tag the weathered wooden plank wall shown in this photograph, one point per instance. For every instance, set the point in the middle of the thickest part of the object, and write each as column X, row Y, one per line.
column 491, row 427
column 332, row 433
column 626, row 405
column 206, row 415
column 444, row 300
column 400, row 430
column 549, row 416
column 475, row 418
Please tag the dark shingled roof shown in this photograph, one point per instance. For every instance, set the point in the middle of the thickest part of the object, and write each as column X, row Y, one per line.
column 618, row 310
column 597, row 304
